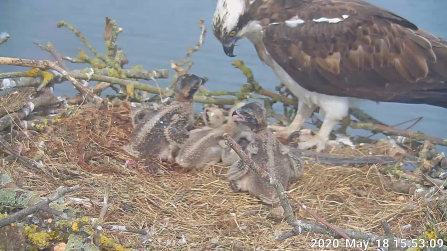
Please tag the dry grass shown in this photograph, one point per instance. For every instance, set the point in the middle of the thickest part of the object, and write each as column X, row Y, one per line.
column 85, row 149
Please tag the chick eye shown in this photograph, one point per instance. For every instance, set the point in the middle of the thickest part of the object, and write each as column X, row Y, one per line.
column 232, row 33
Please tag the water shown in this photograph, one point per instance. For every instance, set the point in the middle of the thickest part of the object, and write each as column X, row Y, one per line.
column 158, row 31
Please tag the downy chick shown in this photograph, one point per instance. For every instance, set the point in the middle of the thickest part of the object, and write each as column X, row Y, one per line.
column 213, row 117
column 204, row 147
column 160, row 133
column 144, row 111
column 268, row 153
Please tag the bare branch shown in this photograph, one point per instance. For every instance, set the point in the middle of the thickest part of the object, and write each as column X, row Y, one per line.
column 45, row 65
column 83, row 39
column 335, row 160
column 400, row 132
column 37, row 207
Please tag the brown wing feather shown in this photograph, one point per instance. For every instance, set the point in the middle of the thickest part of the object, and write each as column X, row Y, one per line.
column 373, row 54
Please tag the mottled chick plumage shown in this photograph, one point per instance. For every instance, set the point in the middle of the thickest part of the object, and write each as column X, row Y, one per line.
column 205, row 147
column 268, row 153
column 159, row 132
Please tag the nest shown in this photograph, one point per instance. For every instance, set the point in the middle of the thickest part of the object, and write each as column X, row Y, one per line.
column 198, row 210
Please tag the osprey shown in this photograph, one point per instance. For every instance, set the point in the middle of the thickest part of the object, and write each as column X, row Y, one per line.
column 329, row 53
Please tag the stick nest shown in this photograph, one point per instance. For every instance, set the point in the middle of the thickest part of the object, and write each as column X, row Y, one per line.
column 198, row 210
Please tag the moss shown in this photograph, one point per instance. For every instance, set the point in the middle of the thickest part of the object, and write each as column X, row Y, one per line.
column 130, row 90
column 82, row 56
column 34, row 72
column 75, row 227
column 137, row 67
column 80, row 241
column 110, row 245
column 3, row 215
column 429, row 234
column 16, row 197
column 96, row 63
column 47, row 77
column 39, row 239
column 113, row 73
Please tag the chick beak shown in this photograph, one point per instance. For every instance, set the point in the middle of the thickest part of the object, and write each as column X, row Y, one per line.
column 237, row 117
column 229, row 49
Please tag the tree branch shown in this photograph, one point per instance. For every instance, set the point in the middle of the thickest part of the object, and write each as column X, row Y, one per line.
column 83, row 39
column 38, row 206
column 400, row 132
column 45, row 65
column 334, row 160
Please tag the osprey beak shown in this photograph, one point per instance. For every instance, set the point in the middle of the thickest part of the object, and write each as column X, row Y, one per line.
column 228, row 49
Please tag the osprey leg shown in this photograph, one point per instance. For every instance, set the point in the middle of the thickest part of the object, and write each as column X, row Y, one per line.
column 304, row 112
column 320, row 139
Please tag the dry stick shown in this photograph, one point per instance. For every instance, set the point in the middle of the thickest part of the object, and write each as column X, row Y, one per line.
column 125, row 229
column 28, row 163
column 32, row 81
column 37, row 207
column 400, row 132
column 40, row 101
column 102, row 214
column 257, row 88
column 198, row 45
column 278, row 187
column 57, row 56
column 336, row 160
column 45, row 65
column 177, row 66
column 83, row 39
column 318, row 218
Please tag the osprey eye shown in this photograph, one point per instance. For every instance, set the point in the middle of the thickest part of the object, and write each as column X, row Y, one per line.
column 232, row 33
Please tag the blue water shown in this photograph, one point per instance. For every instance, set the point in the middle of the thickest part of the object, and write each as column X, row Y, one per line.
column 158, row 31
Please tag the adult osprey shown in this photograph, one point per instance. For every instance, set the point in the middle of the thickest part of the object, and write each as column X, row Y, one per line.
column 331, row 52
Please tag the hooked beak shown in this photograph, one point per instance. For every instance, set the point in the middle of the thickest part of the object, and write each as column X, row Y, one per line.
column 237, row 117
column 228, row 49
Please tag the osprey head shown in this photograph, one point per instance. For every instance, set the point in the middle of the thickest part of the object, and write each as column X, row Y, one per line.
column 226, row 20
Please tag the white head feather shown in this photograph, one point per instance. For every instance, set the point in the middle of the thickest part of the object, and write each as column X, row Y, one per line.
column 227, row 15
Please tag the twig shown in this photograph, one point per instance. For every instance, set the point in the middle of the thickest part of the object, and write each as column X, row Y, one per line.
column 178, row 66
column 37, row 207
column 363, row 116
column 110, row 36
column 323, row 221
column 255, row 87
column 335, row 160
column 50, row 48
column 106, row 200
column 40, row 101
column 4, row 37
column 83, row 39
column 400, row 132
column 198, row 45
column 96, row 223
column 129, row 73
column 45, row 65
column 125, row 229
column 29, row 163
